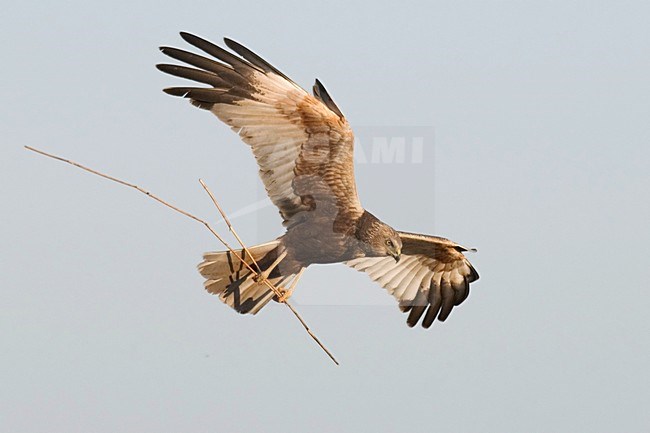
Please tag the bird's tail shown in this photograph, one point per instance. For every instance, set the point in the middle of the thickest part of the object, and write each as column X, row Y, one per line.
column 238, row 287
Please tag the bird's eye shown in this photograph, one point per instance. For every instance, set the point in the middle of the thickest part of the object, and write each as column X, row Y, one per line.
column 389, row 243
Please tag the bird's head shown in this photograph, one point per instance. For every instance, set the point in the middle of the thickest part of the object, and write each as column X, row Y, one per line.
column 385, row 241
column 378, row 239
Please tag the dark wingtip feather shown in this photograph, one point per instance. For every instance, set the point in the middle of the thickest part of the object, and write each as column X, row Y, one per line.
column 254, row 58
column 168, row 51
column 435, row 301
column 199, row 42
column 418, row 307
column 214, row 50
column 202, row 105
column 321, row 93
column 166, row 68
column 177, row 91
column 430, row 317
column 473, row 274
column 461, row 291
column 434, row 309
column 193, row 74
column 239, row 48
column 187, row 37
column 415, row 314
column 447, row 300
column 203, row 97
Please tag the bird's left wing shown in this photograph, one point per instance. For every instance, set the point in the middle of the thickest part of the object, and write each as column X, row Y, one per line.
column 302, row 143
column 432, row 276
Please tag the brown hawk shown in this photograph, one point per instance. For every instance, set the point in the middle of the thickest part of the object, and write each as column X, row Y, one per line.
column 304, row 148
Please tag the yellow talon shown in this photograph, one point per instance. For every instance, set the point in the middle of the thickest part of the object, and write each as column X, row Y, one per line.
column 284, row 294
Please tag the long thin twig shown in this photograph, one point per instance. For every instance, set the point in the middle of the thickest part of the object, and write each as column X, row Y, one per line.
column 275, row 290
column 277, row 293
column 228, row 223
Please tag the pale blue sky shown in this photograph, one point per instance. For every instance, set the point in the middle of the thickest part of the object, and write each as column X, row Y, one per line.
column 537, row 114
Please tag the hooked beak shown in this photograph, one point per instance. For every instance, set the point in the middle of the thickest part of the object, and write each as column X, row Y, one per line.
column 397, row 256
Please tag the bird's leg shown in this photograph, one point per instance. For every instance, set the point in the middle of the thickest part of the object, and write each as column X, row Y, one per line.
column 286, row 293
column 264, row 275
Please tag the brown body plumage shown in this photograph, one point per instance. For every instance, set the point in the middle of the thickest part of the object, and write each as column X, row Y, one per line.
column 304, row 148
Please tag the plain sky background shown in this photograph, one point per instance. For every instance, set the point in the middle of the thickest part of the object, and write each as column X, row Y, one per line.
column 540, row 112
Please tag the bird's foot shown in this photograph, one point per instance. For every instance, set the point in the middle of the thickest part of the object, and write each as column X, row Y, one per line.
column 284, row 294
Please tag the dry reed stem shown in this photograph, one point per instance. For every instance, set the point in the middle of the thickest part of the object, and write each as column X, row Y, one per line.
column 275, row 290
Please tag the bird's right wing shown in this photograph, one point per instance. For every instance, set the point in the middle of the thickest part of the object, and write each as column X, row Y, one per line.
column 433, row 275
column 302, row 143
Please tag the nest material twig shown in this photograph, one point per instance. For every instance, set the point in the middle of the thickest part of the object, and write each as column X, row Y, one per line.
column 279, row 295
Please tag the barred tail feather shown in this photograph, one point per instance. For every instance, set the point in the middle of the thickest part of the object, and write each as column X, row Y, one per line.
column 235, row 284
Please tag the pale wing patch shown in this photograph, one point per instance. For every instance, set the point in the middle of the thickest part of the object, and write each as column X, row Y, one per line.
column 432, row 276
column 276, row 143
column 402, row 280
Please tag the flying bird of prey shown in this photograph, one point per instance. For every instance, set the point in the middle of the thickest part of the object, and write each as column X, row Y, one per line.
column 303, row 145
